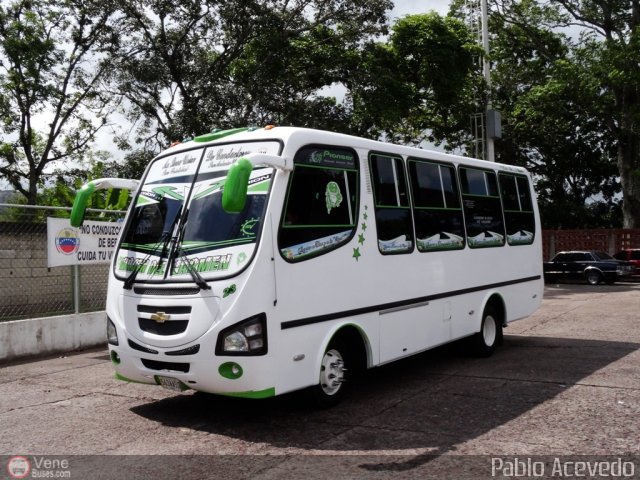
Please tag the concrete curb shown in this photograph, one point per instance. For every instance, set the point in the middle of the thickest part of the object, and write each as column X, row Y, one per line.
column 44, row 336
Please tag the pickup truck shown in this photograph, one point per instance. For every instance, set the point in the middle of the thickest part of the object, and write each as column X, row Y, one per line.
column 590, row 265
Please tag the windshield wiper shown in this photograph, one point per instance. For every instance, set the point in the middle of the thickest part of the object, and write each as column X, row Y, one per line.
column 163, row 242
column 197, row 278
column 193, row 271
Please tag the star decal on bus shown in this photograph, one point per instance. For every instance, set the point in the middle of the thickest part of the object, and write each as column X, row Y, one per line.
column 361, row 239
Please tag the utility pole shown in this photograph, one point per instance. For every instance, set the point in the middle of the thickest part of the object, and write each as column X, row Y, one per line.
column 486, row 70
column 486, row 125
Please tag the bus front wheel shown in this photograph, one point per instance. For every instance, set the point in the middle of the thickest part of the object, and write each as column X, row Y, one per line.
column 334, row 372
column 490, row 334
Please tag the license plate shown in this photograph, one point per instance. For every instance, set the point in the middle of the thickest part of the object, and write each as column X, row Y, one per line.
column 171, row 383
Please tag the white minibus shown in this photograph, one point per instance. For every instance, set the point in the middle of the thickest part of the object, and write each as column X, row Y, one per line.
column 258, row 261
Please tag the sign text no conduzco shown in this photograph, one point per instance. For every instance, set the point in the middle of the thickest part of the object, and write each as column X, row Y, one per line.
column 93, row 242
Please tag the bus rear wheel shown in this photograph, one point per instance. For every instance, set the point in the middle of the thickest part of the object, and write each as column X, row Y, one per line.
column 490, row 334
column 334, row 372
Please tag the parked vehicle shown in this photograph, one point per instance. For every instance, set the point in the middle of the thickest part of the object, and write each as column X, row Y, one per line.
column 630, row 255
column 590, row 265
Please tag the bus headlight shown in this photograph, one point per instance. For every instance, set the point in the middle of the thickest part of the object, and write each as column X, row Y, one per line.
column 236, row 342
column 248, row 337
column 112, row 334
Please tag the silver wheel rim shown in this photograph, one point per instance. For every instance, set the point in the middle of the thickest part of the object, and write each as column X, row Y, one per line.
column 489, row 330
column 592, row 278
column 332, row 372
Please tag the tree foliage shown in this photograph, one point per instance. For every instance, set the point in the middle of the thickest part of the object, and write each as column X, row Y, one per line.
column 61, row 191
column 567, row 82
column 188, row 66
column 545, row 88
column 184, row 68
column 417, row 86
column 51, row 104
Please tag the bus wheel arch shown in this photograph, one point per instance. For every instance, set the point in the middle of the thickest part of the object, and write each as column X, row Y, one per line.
column 492, row 321
column 346, row 353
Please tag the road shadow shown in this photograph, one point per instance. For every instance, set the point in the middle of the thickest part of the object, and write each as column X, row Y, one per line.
column 428, row 403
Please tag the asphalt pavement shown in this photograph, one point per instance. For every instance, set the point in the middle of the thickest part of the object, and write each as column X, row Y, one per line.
column 565, row 385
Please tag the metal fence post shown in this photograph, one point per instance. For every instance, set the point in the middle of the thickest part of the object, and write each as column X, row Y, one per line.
column 76, row 288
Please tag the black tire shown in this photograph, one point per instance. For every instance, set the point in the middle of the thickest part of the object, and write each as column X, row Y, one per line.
column 593, row 277
column 490, row 335
column 336, row 369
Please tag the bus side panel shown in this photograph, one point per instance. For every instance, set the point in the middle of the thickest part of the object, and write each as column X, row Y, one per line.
column 411, row 330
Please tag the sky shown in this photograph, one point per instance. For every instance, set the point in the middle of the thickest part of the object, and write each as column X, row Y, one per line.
column 408, row 7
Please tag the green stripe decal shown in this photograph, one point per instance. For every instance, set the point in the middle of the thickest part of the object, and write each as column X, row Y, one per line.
column 266, row 393
column 216, row 134
column 259, row 187
column 188, row 246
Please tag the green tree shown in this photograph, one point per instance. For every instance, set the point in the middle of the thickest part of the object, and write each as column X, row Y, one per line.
column 51, row 105
column 60, row 187
column 418, row 86
column 582, row 107
column 184, row 67
column 60, row 190
column 133, row 165
column 545, row 88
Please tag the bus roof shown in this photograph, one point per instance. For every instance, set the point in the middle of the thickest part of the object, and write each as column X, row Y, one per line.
column 301, row 136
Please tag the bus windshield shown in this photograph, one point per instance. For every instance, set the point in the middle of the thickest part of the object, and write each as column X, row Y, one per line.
column 178, row 225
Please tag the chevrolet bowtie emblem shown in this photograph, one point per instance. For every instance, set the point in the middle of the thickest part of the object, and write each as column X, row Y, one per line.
column 160, row 317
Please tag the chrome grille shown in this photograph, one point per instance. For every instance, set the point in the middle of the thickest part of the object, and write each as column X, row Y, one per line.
column 163, row 320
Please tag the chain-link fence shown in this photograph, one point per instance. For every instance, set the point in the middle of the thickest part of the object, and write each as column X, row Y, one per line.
column 28, row 288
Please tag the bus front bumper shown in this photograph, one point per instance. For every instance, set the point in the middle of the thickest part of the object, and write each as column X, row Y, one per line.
column 245, row 376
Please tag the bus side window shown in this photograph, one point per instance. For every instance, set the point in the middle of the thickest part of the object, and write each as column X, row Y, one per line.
column 320, row 211
column 518, row 209
column 436, row 206
column 392, row 210
column 482, row 208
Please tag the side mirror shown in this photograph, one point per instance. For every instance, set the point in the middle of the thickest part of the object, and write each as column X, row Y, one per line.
column 234, row 194
column 82, row 196
column 80, row 204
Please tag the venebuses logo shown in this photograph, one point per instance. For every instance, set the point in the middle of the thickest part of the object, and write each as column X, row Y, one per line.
column 18, row 467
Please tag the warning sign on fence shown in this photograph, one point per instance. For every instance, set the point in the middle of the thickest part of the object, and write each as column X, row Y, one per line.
column 93, row 242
